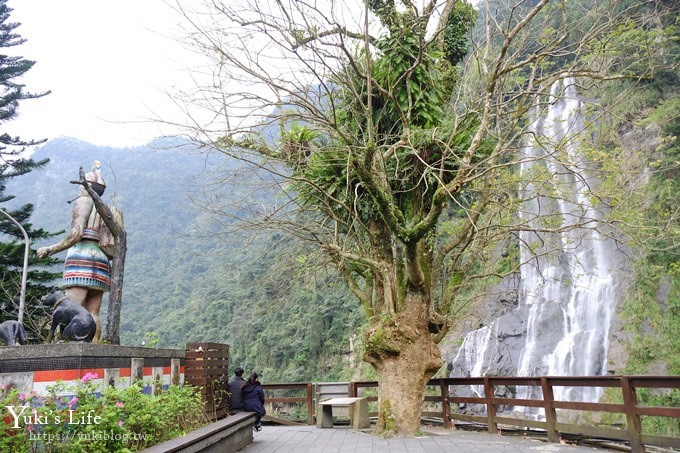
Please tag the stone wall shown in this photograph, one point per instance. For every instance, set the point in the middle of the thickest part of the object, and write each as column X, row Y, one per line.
column 35, row 367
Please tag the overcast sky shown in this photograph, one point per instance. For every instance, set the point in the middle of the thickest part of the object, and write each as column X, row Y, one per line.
column 109, row 65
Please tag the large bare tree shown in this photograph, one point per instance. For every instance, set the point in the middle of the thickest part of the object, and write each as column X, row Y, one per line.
column 393, row 129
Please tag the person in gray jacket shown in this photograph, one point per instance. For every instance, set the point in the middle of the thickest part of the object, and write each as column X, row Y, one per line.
column 235, row 395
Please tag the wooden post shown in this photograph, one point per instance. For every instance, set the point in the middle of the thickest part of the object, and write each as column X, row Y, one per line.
column 310, row 403
column 550, row 414
column 490, row 407
column 446, row 404
column 632, row 417
column 116, row 290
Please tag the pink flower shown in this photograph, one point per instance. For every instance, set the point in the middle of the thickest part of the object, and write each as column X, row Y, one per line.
column 73, row 401
column 119, row 404
column 89, row 376
column 120, row 422
column 22, row 396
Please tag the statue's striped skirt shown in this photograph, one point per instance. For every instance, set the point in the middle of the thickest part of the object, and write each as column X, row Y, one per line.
column 87, row 266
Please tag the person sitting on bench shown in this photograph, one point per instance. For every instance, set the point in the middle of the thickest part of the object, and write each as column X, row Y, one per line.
column 253, row 399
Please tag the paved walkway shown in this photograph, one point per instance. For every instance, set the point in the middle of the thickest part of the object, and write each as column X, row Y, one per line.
column 309, row 439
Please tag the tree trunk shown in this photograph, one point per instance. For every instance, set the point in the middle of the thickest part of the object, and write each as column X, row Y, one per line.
column 116, row 290
column 405, row 357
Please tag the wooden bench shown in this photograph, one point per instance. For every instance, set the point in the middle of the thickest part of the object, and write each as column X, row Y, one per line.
column 357, row 407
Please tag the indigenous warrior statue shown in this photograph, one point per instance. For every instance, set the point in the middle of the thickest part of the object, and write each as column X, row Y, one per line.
column 87, row 270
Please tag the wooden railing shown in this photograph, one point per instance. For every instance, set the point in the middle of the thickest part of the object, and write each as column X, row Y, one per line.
column 448, row 404
column 627, row 385
column 304, row 388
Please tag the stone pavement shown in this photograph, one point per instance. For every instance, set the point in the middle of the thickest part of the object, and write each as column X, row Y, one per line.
column 310, row 439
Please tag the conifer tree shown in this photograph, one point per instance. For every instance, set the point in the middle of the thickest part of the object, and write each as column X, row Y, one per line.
column 14, row 163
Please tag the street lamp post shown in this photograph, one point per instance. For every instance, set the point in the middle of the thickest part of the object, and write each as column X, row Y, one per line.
column 24, row 275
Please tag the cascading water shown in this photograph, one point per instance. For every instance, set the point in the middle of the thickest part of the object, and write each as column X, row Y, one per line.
column 476, row 351
column 566, row 278
column 566, row 291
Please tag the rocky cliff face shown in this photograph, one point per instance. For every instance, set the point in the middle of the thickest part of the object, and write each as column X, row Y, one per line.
column 494, row 347
column 637, row 144
column 495, row 335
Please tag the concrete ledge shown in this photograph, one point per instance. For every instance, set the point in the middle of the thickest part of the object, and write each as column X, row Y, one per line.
column 84, row 349
column 227, row 435
column 80, row 355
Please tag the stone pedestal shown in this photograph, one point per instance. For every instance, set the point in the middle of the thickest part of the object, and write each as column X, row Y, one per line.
column 357, row 408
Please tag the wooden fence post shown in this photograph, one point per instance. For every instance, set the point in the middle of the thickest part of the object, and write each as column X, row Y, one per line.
column 490, row 407
column 550, row 414
column 446, row 404
column 632, row 417
column 310, row 403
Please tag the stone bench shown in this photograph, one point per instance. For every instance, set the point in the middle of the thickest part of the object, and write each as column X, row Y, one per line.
column 357, row 408
column 229, row 434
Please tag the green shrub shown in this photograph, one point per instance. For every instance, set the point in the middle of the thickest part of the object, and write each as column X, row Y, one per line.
column 115, row 420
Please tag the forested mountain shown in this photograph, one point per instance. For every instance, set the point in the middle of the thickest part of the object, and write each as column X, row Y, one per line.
column 183, row 281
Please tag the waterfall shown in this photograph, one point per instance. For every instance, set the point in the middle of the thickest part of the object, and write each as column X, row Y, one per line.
column 566, row 278
column 566, row 292
column 476, row 352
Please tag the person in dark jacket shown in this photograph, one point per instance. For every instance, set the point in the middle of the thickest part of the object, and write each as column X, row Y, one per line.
column 253, row 399
column 235, row 398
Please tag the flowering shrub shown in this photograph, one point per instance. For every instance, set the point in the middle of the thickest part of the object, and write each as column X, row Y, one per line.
column 115, row 420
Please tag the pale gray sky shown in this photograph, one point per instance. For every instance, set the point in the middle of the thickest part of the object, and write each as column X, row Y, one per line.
column 109, row 64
